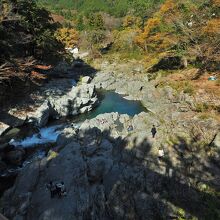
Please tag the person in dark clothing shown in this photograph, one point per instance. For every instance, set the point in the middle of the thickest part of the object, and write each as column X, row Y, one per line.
column 61, row 190
column 53, row 190
column 130, row 128
column 153, row 131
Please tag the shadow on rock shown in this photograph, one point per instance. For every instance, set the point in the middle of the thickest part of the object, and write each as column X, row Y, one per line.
column 109, row 178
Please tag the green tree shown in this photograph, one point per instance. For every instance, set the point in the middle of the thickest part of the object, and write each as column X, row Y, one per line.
column 96, row 38
column 39, row 24
column 95, row 21
column 118, row 8
column 27, row 26
column 80, row 23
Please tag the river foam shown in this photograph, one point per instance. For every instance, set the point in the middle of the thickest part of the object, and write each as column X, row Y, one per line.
column 45, row 135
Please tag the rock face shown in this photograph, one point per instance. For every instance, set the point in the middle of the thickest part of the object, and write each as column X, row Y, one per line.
column 113, row 172
column 80, row 99
column 110, row 173
column 217, row 141
column 15, row 156
column 3, row 128
column 42, row 114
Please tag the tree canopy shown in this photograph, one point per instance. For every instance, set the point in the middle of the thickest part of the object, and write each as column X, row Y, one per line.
column 26, row 29
column 117, row 8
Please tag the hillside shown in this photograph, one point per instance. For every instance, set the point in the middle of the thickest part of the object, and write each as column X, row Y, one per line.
column 117, row 8
column 26, row 30
column 110, row 109
column 26, row 39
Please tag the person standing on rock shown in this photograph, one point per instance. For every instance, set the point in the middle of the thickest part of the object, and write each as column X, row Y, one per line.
column 130, row 128
column 53, row 191
column 153, row 131
column 61, row 190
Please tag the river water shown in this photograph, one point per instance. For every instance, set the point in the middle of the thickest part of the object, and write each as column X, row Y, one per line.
column 37, row 143
column 110, row 102
column 114, row 102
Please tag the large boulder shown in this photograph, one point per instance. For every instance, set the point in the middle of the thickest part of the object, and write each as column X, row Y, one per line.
column 8, row 136
column 79, row 100
column 216, row 141
column 41, row 116
column 3, row 127
column 15, row 156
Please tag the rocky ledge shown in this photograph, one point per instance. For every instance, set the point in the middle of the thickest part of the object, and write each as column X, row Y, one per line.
column 56, row 99
column 111, row 172
column 80, row 99
column 113, row 168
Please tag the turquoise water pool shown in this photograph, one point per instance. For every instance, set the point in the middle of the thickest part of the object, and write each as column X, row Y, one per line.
column 109, row 102
column 113, row 102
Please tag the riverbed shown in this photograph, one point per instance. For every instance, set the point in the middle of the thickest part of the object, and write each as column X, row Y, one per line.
column 110, row 102
column 37, row 144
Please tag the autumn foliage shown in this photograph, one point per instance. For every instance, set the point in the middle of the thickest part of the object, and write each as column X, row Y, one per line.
column 68, row 36
column 212, row 27
column 157, row 32
column 216, row 3
column 131, row 21
column 191, row 28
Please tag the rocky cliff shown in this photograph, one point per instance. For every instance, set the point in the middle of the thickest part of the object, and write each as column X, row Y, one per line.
column 113, row 168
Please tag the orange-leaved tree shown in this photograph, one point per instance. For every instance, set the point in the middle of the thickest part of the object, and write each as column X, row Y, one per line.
column 158, row 30
column 191, row 28
column 68, row 36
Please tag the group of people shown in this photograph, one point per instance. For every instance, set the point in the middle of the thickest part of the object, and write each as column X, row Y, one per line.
column 153, row 130
column 102, row 121
column 57, row 189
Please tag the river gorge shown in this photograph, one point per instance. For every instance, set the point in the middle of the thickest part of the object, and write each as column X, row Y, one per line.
column 94, row 134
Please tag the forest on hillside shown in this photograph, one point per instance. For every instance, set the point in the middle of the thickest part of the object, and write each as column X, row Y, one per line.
column 117, row 8
column 26, row 30
column 27, row 37
column 154, row 29
column 134, row 28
